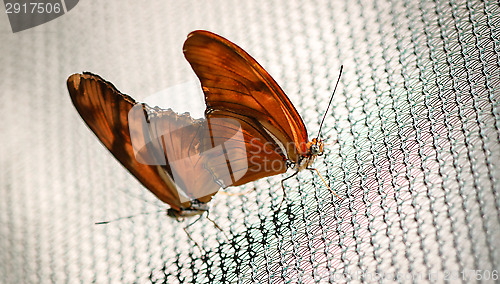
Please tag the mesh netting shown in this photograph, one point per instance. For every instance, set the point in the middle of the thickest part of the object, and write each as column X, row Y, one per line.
column 413, row 144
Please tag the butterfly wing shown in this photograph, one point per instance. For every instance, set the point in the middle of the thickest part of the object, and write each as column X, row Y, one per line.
column 235, row 83
column 249, row 153
column 107, row 111
column 177, row 139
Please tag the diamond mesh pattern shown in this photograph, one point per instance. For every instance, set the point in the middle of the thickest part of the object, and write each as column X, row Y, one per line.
column 414, row 145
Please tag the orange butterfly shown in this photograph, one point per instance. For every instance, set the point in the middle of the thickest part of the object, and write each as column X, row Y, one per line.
column 251, row 129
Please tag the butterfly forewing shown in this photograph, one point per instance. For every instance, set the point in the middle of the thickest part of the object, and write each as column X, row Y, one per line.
column 233, row 81
column 106, row 112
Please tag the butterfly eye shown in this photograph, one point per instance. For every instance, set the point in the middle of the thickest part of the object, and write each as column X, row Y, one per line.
column 172, row 213
column 315, row 150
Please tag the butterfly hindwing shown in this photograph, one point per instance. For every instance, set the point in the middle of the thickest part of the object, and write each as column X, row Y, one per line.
column 251, row 153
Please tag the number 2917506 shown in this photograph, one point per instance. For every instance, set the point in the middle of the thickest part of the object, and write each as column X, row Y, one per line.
column 33, row 8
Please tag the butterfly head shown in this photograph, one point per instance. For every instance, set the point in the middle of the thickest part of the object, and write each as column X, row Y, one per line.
column 196, row 208
column 315, row 147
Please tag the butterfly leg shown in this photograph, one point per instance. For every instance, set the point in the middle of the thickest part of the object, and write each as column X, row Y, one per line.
column 314, row 169
column 189, row 235
column 283, row 187
column 216, row 226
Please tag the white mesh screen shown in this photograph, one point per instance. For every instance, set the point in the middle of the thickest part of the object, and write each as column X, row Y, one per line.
column 413, row 145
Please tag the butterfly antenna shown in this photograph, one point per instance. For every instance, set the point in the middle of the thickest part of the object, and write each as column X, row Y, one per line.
column 330, row 102
column 129, row 217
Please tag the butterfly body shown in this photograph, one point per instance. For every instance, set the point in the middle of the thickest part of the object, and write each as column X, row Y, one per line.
column 251, row 129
